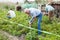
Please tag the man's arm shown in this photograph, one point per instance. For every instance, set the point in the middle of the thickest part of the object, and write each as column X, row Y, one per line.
column 32, row 19
column 33, row 14
column 8, row 14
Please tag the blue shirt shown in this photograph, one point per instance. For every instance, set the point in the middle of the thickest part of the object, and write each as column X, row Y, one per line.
column 34, row 12
column 49, row 8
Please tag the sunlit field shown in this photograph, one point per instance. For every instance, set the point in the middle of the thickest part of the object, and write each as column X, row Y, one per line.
column 50, row 30
column 11, row 26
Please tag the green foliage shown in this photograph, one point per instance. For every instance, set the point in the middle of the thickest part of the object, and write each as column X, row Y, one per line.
column 22, row 18
column 8, row 6
column 31, row 35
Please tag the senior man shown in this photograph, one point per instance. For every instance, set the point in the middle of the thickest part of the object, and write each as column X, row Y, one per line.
column 34, row 13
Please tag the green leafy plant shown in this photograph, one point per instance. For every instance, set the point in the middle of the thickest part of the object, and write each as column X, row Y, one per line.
column 22, row 18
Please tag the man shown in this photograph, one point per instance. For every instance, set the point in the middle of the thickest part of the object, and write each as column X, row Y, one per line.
column 49, row 10
column 35, row 13
column 18, row 7
column 11, row 14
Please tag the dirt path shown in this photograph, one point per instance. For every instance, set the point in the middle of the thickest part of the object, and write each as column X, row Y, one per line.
column 10, row 37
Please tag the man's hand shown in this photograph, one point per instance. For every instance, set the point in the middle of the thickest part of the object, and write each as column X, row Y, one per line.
column 29, row 24
column 31, row 21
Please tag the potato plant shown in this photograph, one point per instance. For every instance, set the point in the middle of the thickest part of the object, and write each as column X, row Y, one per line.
column 22, row 18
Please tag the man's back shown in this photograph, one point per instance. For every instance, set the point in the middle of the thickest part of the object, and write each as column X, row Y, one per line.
column 49, row 8
column 34, row 12
column 12, row 13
